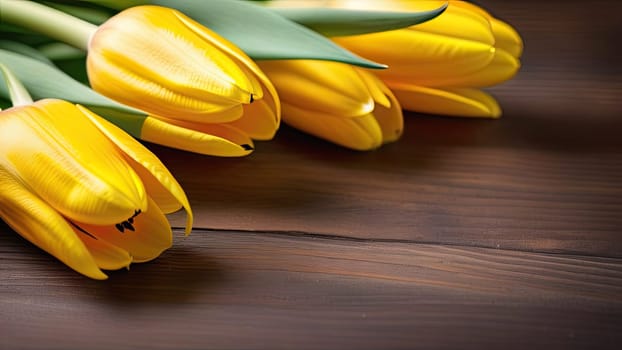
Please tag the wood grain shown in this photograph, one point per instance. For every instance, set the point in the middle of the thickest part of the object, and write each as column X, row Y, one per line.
column 240, row 290
column 447, row 181
column 465, row 234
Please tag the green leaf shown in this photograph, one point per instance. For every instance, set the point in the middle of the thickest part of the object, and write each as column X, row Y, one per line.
column 341, row 22
column 24, row 50
column 262, row 33
column 43, row 80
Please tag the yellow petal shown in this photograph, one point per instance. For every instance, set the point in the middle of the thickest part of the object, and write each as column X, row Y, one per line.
column 125, row 86
column 323, row 86
column 159, row 182
column 388, row 114
column 452, row 102
column 456, row 21
column 502, row 68
column 191, row 137
column 506, row 37
column 375, row 87
column 106, row 255
column 245, row 62
column 420, row 55
column 259, row 121
column 151, row 50
column 69, row 163
column 358, row 133
column 150, row 234
column 39, row 223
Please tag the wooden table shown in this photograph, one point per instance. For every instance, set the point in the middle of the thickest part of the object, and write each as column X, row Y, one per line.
column 465, row 234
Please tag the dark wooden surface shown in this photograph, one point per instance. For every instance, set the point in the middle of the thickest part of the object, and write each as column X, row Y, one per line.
column 464, row 234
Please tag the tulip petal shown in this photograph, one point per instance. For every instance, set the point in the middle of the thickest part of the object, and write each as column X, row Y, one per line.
column 359, row 133
column 106, row 255
column 159, row 182
column 131, row 89
column 174, row 52
column 267, row 89
column 326, row 87
column 39, row 223
column 227, row 48
column 506, row 37
column 69, row 163
column 375, row 88
column 388, row 115
column 191, row 137
column 421, row 55
column 144, row 238
column 452, row 102
column 456, row 21
column 259, row 121
column 503, row 67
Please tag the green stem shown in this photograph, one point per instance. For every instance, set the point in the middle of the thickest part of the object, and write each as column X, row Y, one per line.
column 17, row 91
column 47, row 21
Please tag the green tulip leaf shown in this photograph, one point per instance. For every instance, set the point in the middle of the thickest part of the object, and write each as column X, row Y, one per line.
column 25, row 50
column 342, row 22
column 262, row 33
column 43, row 80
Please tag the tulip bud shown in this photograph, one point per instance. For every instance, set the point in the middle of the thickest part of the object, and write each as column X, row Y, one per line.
column 82, row 189
column 440, row 63
column 336, row 102
column 160, row 61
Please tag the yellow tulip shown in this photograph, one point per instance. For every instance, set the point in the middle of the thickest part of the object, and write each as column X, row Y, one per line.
column 190, row 80
column 337, row 102
column 82, row 189
column 438, row 66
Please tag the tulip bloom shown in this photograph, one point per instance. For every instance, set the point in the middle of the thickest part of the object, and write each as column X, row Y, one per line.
column 337, row 102
column 82, row 189
column 160, row 61
column 437, row 66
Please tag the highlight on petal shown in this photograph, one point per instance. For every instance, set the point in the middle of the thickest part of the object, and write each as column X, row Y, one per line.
column 456, row 21
column 69, row 163
column 388, row 111
column 40, row 224
column 144, row 236
column 503, row 67
column 326, row 87
column 507, row 38
column 197, row 138
column 460, row 102
column 359, row 133
column 376, row 88
column 117, row 82
column 160, row 183
column 421, row 55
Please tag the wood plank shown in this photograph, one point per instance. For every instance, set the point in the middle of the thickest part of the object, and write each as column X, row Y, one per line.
column 239, row 290
column 518, row 183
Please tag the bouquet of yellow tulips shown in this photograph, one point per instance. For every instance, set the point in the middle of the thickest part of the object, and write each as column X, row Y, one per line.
column 211, row 77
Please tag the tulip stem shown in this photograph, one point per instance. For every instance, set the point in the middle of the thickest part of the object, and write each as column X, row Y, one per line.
column 17, row 91
column 48, row 21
